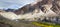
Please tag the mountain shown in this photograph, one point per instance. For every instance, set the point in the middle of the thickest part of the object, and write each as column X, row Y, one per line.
column 10, row 10
column 41, row 9
column 44, row 8
column 50, row 8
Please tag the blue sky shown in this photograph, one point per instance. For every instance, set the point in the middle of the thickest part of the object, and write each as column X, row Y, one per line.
column 14, row 4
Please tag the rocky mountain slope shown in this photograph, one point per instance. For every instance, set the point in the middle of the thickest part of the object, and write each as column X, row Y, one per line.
column 36, row 10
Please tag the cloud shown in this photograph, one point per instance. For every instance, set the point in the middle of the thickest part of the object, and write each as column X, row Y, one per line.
column 14, row 3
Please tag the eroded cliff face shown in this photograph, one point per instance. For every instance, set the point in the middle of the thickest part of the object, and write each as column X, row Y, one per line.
column 56, row 7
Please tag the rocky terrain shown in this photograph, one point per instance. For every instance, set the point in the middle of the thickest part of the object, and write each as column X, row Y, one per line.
column 48, row 9
column 40, row 10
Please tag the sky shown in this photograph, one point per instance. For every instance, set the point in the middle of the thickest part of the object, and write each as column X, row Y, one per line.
column 14, row 4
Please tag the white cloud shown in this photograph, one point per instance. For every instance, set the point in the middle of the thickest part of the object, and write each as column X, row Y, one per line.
column 13, row 3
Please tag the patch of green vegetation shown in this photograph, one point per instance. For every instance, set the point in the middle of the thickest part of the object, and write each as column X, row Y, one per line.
column 46, row 24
